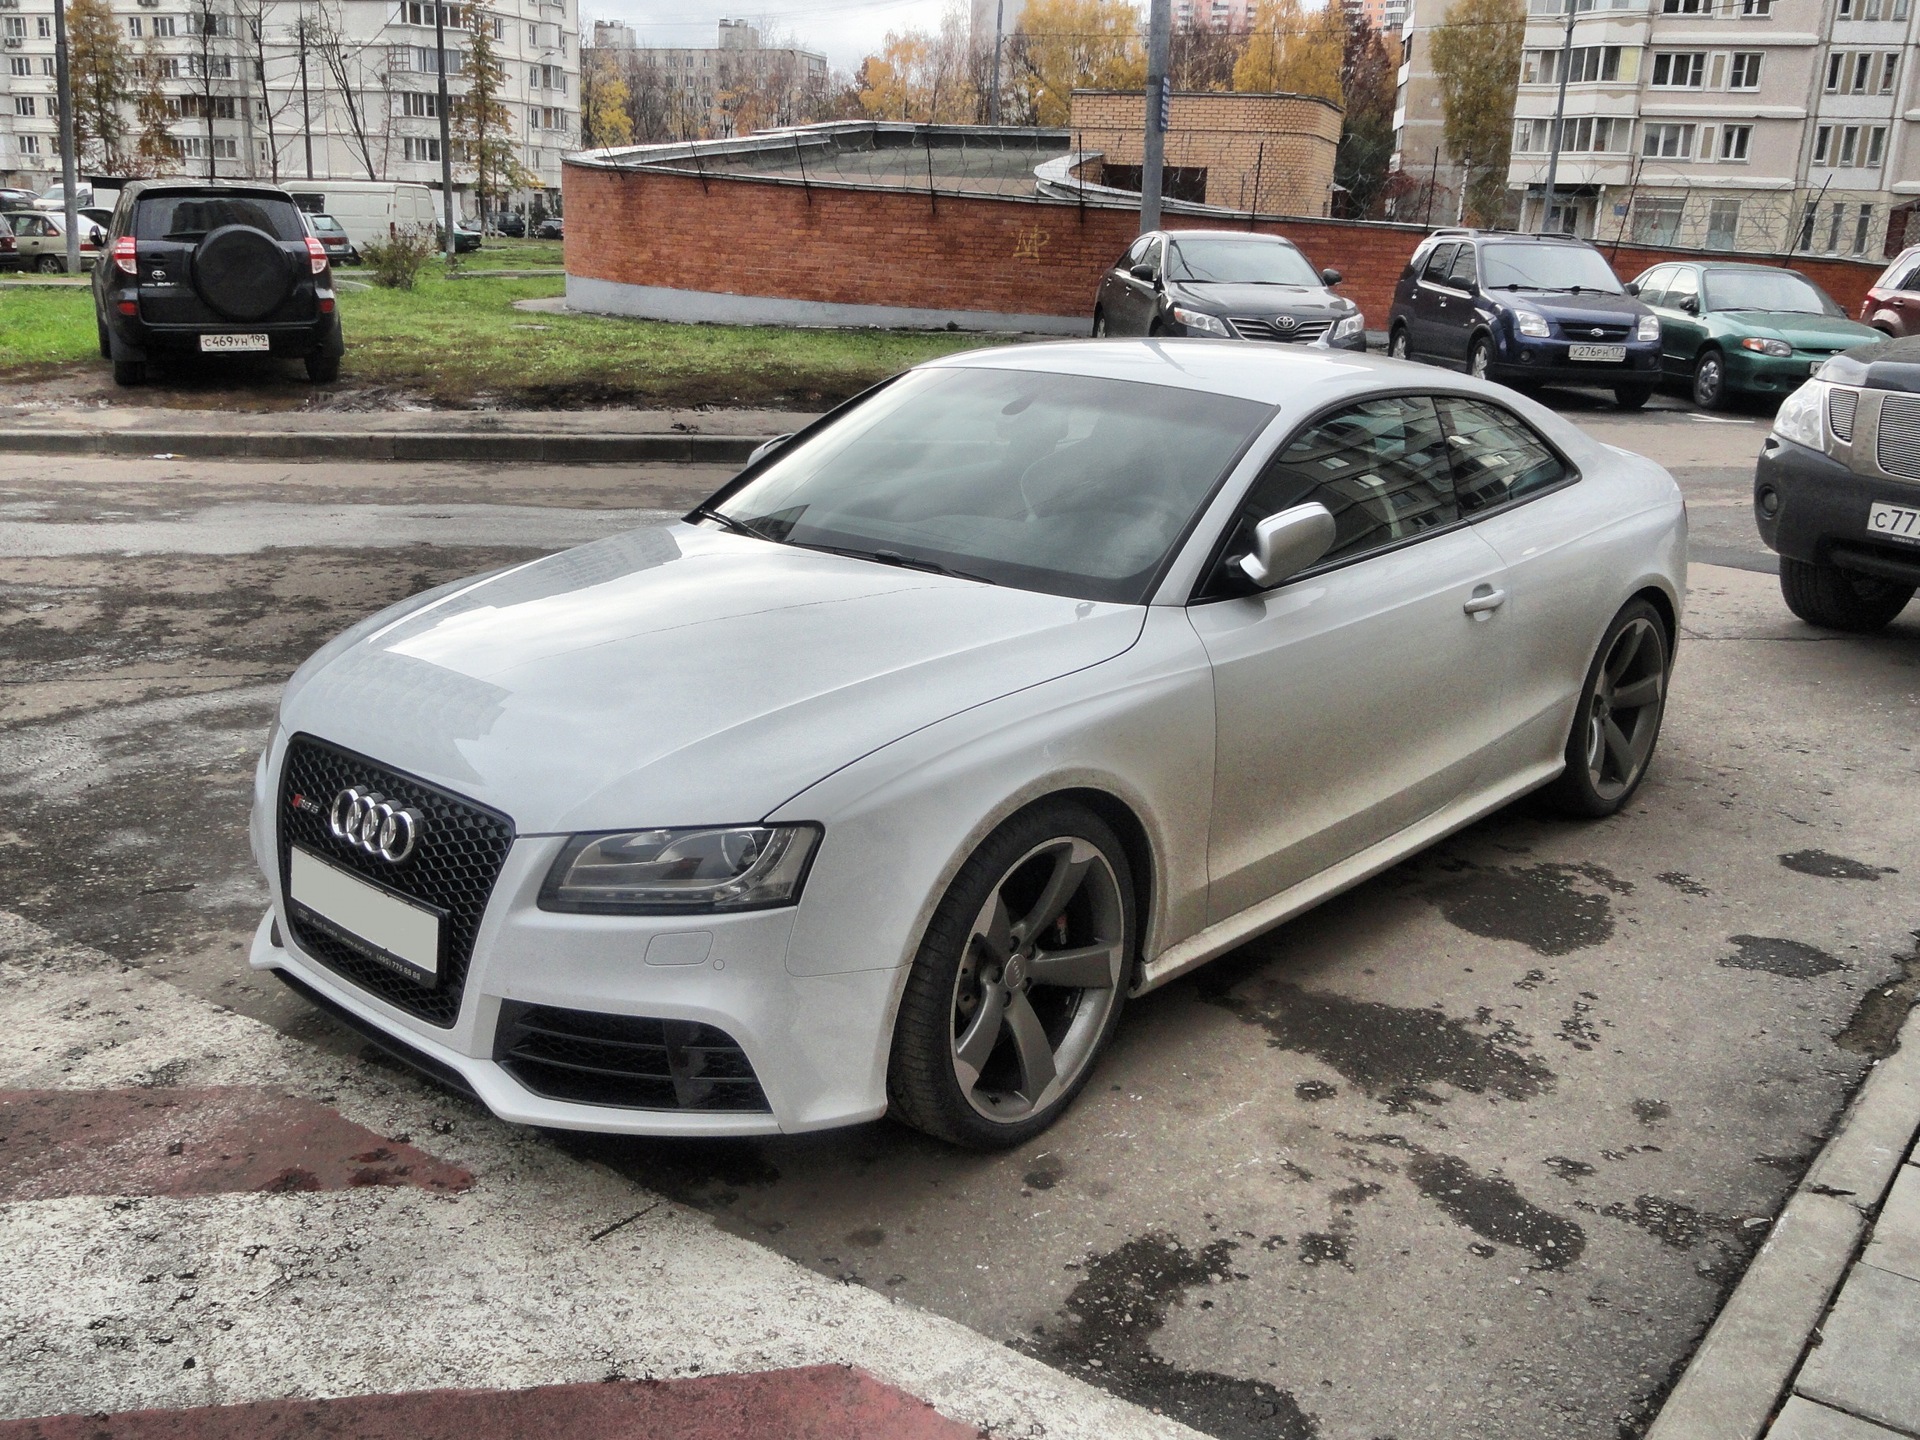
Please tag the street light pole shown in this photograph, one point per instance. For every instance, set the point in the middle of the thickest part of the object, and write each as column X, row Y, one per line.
column 69, row 180
column 306, row 106
column 1153, row 156
column 1559, row 119
column 999, row 28
column 446, row 128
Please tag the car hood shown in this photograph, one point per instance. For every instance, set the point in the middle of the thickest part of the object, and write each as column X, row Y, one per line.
column 1818, row 332
column 1298, row 300
column 678, row 675
column 1595, row 307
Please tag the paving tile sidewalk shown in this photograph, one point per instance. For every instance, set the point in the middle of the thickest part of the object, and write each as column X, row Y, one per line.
column 1821, row 1340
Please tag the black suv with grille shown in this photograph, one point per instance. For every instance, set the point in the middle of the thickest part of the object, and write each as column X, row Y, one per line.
column 1837, row 488
column 200, row 267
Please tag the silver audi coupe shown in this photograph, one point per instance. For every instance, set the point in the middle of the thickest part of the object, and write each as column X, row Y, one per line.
column 1003, row 694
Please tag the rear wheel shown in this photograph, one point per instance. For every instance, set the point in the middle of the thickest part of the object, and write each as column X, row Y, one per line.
column 1618, row 722
column 1480, row 357
column 1710, row 380
column 106, row 345
column 1397, row 344
column 323, row 369
column 1019, row 981
column 129, row 372
column 1632, row 397
column 50, row 265
column 1839, row 599
column 1099, row 324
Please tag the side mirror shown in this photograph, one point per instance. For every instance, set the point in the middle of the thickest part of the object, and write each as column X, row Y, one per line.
column 1689, row 304
column 1286, row 543
column 1143, row 272
column 766, row 448
column 1330, row 278
column 1632, row 287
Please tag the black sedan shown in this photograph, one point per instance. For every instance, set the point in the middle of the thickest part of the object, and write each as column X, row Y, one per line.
column 1227, row 284
column 551, row 228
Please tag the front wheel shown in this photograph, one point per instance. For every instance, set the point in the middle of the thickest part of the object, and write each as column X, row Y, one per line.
column 1710, row 380
column 1480, row 357
column 1617, row 724
column 1099, row 324
column 1837, row 599
column 1632, row 397
column 1019, row 981
column 128, row 372
column 323, row 369
column 1397, row 344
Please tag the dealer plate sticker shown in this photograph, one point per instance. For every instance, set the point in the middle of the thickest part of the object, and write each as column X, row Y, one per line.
column 1606, row 354
column 397, row 929
column 210, row 343
column 1896, row 522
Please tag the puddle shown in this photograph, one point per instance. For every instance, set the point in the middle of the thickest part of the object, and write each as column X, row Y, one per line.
column 1828, row 866
column 1788, row 958
column 1540, row 906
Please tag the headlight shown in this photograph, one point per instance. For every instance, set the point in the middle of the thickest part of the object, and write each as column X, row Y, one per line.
column 1528, row 323
column 1802, row 416
column 1766, row 347
column 1201, row 324
column 670, row 872
column 1348, row 326
column 1648, row 328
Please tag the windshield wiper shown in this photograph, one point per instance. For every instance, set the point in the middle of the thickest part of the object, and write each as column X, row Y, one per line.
column 896, row 559
column 727, row 522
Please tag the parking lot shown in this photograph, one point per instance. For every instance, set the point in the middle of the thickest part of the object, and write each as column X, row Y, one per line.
column 1475, row 1148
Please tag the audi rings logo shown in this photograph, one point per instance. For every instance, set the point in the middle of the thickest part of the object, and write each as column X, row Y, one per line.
column 375, row 824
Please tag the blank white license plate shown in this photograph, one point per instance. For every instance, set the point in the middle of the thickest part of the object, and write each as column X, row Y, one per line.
column 1896, row 522
column 397, row 929
column 209, row 343
column 1609, row 354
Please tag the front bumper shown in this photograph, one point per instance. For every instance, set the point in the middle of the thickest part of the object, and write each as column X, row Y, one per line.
column 1757, row 374
column 1819, row 512
column 1520, row 360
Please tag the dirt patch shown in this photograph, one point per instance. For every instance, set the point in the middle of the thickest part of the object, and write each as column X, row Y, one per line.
column 1874, row 1028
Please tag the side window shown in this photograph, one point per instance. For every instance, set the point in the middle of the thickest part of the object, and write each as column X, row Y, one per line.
column 1136, row 253
column 1380, row 466
column 1156, row 254
column 1465, row 271
column 1653, row 285
column 1911, row 280
column 1685, row 285
column 1497, row 458
column 1438, row 263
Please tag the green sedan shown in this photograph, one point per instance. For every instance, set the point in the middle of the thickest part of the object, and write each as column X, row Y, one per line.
column 1744, row 329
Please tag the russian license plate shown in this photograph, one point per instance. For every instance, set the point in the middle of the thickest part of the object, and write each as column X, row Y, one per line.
column 211, row 343
column 399, row 934
column 1895, row 522
column 1605, row 354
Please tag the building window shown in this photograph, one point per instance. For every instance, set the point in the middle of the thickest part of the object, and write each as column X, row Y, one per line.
column 29, row 144
column 1756, row 7
column 210, row 67
column 1843, row 10
column 134, row 27
column 1585, row 64
column 421, row 149
column 1686, row 7
column 414, row 13
column 1849, row 147
column 420, row 106
column 43, row 27
column 1861, row 225
column 1680, row 69
column 1723, row 222
column 1668, row 142
column 208, row 23
column 1889, row 67
column 16, row 28
column 24, row 105
column 20, row 65
column 547, row 77
column 1836, row 67
column 46, row 65
column 1734, row 140
column 1876, row 145
column 1822, row 143
column 1745, row 71
column 1657, row 221
column 163, row 27
column 1862, row 72
column 499, row 28
column 427, row 60
column 194, row 147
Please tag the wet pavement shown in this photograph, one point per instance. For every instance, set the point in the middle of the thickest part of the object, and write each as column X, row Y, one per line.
column 1478, row 1147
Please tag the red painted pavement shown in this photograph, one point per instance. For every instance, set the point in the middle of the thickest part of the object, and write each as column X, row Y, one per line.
column 195, row 1142
column 818, row 1402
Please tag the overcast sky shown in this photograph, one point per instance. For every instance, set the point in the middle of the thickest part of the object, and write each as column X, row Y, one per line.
column 846, row 31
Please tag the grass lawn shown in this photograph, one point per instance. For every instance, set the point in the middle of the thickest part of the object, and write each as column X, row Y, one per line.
column 457, row 341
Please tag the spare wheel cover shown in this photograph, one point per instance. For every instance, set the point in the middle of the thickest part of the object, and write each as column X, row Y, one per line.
column 241, row 272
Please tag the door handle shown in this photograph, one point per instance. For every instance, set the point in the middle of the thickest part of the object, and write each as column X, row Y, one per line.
column 1484, row 601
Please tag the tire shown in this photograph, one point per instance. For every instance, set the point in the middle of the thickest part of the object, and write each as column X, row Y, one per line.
column 1155, row 330
column 1099, row 324
column 50, row 265
column 1607, row 759
column 323, row 369
column 1479, row 357
column 1710, row 380
column 129, row 372
column 1837, row 599
column 1632, row 397
column 987, row 1065
column 1398, row 345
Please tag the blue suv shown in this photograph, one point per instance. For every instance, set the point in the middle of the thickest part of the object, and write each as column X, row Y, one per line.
column 1525, row 310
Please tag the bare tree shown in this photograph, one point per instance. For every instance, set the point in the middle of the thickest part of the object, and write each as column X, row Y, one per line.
column 345, row 61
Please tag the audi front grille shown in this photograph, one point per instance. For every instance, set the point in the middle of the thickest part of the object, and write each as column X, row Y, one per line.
column 452, row 869
column 1899, row 439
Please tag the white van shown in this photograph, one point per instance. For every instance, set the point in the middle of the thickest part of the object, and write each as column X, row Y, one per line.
column 367, row 209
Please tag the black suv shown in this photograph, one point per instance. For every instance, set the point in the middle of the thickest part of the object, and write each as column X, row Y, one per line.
column 1837, row 489
column 1525, row 310
column 199, row 267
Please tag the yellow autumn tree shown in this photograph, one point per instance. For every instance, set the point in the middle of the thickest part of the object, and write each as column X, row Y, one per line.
column 604, row 102
column 922, row 76
column 1294, row 50
column 1065, row 45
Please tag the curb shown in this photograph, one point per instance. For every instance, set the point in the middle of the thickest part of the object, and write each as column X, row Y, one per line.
column 1742, row 1370
column 386, row 445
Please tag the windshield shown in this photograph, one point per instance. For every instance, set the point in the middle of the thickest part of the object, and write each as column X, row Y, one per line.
column 1777, row 290
column 189, row 217
column 1546, row 267
column 1227, row 261
column 1061, row 483
column 326, row 224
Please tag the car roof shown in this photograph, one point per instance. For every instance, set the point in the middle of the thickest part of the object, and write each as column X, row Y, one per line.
column 1215, row 233
column 178, row 186
column 1246, row 369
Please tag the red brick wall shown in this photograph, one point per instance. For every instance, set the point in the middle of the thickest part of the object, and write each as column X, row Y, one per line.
column 865, row 247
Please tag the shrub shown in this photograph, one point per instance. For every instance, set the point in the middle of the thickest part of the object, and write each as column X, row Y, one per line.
column 397, row 261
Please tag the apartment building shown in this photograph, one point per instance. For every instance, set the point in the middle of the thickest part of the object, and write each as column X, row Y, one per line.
column 1218, row 14
column 732, row 87
column 287, row 89
column 1767, row 126
column 1420, row 153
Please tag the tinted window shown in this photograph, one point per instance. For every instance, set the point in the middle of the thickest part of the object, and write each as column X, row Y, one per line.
column 189, row 217
column 1685, row 285
column 1496, row 457
column 1766, row 290
column 326, row 225
column 1909, row 281
column 1215, row 260
column 1381, row 467
column 1463, row 271
column 1437, row 263
column 1136, row 253
column 1653, row 284
column 1519, row 266
column 1062, row 483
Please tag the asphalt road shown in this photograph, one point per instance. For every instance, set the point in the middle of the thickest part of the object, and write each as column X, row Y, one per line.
column 1476, row 1148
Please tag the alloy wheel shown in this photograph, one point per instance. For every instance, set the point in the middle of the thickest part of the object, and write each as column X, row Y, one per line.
column 1478, row 359
column 1709, row 379
column 1039, row 978
column 1397, row 345
column 1623, row 708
